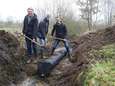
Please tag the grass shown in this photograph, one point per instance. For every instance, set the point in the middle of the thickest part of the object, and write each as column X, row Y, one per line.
column 106, row 53
column 102, row 71
column 100, row 74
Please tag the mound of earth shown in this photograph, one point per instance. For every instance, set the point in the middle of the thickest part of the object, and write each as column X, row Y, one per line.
column 83, row 45
column 93, row 40
column 10, row 60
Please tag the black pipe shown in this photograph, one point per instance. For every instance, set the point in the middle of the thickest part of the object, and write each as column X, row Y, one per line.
column 45, row 67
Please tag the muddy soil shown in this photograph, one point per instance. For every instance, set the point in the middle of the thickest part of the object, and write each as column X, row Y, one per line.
column 10, row 60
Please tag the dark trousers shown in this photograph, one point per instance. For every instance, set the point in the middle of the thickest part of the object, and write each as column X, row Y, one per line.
column 31, row 47
column 56, row 42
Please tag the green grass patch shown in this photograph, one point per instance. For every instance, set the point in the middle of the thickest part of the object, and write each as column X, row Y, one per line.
column 106, row 53
column 101, row 71
column 100, row 74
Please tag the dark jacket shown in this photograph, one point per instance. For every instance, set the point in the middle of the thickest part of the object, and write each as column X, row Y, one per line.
column 47, row 24
column 60, row 30
column 43, row 28
column 30, row 27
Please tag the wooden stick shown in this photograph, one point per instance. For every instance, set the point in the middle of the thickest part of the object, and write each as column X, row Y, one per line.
column 60, row 39
column 17, row 33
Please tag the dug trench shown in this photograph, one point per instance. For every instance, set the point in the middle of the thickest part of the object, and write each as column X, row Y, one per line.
column 14, row 71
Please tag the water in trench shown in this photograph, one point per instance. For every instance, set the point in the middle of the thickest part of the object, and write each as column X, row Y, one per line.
column 32, row 82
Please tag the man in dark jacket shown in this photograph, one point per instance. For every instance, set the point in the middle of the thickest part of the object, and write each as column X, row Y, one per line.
column 42, row 33
column 29, row 29
column 43, row 30
column 46, row 20
column 60, row 31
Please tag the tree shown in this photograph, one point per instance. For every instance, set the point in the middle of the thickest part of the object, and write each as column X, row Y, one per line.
column 60, row 7
column 108, row 11
column 88, row 9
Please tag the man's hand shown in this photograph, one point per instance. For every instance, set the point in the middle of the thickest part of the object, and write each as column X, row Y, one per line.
column 65, row 40
column 34, row 40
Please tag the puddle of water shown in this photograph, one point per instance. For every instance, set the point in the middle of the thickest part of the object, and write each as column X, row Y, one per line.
column 28, row 82
column 32, row 82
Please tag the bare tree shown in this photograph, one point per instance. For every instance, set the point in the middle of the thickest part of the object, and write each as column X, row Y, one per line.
column 108, row 11
column 88, row 9
column 60, row 7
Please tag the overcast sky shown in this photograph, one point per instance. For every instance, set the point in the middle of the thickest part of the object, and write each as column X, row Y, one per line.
column 17, row 8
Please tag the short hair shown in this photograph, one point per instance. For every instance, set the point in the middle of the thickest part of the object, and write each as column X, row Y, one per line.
column 60, row 17
column 30, row 9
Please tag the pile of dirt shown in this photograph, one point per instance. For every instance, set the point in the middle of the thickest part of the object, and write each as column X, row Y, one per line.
column 10, row 60
column 83, row 45
column 93, row 40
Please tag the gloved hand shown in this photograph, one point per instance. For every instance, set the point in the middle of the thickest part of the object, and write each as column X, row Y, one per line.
column 34, row 40
column 65, row 39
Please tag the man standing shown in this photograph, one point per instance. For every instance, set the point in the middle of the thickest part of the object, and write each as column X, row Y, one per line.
column 46, row 20
column 60, row 31
column 42, row 33
column 30, row 25
column 43, row 30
